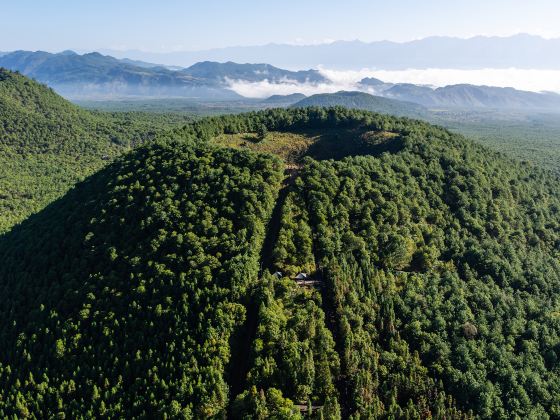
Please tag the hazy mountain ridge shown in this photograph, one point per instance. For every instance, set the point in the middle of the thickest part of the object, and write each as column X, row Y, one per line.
column 462, row 95
column 220, row 72
column 520, row 51
column 282, row 99
column 416, row 101
column 94, row 74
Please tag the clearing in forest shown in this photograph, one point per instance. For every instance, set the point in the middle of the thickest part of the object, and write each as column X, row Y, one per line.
column 320, row 144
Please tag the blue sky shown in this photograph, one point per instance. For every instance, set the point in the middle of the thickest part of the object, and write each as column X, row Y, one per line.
column 172, row 25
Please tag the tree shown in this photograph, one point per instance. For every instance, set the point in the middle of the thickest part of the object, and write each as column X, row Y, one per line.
column 262, row 132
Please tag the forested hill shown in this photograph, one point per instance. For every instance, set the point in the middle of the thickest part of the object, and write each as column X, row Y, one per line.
column 133, row 283
column 432, row 291
column 361, row 100
column 47, row 144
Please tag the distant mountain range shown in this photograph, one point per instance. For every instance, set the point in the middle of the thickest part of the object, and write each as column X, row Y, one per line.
column 462, row 95
column 97, row 76
column 94, row 74
column 220, row 72
column 520, row 51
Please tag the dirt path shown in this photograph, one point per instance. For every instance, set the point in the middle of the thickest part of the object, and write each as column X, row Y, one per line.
column 240, row 358
column 273, row 228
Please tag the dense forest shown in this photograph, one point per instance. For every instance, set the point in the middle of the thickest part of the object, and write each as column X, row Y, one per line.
column 124, row 294
column 293, row 354
column 163, row 286
column 445, row 262
column 47, row 144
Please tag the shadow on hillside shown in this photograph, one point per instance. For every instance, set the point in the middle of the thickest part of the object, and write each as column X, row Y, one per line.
column 50, row 227
column 343, row 143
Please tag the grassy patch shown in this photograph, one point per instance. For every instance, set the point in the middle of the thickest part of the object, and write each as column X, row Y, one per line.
column 318, row 144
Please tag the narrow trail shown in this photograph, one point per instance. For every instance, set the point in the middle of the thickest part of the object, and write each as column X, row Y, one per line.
column 240, row 358
column 273, row 229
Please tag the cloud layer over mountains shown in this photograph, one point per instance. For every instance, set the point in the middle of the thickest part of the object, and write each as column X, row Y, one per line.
column 522, row 79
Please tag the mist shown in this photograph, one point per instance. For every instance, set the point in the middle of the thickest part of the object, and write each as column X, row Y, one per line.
column 265, row 88
column 532, row 80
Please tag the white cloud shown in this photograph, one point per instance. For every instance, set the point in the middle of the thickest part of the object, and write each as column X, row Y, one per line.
column 523, row 79
column 265, row 88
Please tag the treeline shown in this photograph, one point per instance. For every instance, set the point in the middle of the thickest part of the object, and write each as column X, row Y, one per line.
column 294, row 120
column 120, row 299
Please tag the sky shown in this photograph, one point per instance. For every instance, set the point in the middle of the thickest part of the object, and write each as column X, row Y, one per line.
column 173, row 25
